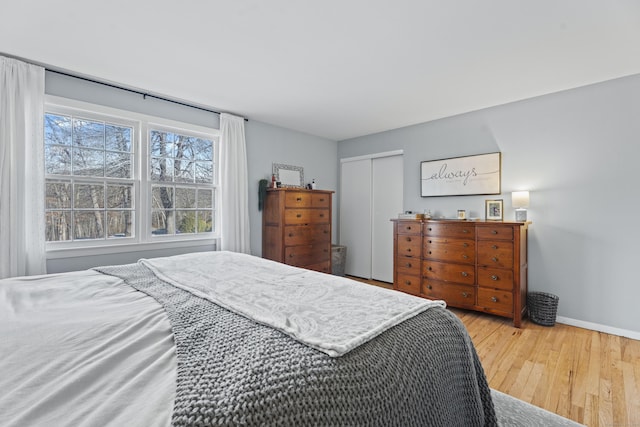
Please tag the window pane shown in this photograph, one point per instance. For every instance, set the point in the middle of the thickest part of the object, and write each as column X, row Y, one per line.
column 204, row 172
column 203, row 149
column 119, row 196
column 184, row 147
column 162, row 197
column 89, row 225
column 185, row 221
column 205, row 221
column 162, row 170
column 117, row 165
column 185, row 197
column 205, row 198
column 162, row 222
column 58, row 195
column 57, row 159
column 57, row 129
column 58, row 226
column 183, row 171
column 88, row 134
column 119, row 223
column 88, row 162
column 88, row 196
column 118, row 138
column 161, row 143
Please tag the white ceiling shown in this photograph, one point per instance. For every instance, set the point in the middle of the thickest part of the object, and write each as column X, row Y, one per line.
column 332, row 68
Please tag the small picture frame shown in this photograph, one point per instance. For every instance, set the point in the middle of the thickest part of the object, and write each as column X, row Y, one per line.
column 493, row 210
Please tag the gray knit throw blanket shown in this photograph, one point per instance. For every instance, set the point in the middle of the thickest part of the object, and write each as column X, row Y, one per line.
column 235, row 372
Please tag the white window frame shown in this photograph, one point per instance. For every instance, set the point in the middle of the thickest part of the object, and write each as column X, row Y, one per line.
column 143, row 239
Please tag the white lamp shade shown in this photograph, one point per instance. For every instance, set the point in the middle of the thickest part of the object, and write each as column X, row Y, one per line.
column 520, row 199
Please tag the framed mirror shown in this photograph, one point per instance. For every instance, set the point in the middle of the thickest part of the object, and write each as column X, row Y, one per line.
column 289, row 176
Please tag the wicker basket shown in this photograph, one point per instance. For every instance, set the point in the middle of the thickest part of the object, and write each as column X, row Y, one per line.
column 542, row 308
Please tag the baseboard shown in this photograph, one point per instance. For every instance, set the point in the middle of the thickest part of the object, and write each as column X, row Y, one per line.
column 598, row 327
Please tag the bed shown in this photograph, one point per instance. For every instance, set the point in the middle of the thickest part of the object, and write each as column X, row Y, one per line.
column 220, row 338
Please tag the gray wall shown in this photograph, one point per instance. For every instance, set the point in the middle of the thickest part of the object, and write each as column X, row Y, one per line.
column 266, row 144
column 577, row 152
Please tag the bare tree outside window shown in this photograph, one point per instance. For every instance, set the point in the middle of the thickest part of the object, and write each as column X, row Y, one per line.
column 81, row 156
column 178, row 164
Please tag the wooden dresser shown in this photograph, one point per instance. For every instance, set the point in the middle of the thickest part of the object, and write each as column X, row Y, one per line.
column 296, row 228
column 477, row 265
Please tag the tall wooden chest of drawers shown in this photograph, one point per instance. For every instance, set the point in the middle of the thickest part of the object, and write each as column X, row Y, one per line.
column 477, row 265
column 296, row 228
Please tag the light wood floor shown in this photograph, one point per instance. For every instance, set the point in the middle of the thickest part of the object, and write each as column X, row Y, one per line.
column 590, row 377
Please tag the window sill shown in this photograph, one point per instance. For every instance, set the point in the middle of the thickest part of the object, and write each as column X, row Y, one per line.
column 77, row 251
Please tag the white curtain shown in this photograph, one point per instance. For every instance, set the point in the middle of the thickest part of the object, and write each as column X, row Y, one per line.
column 234, row 213
column 22, row 238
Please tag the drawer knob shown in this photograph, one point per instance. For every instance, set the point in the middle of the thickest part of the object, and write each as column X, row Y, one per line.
column 429, row 287
column 322, row 200
column 290, row 234
column 494, row 278
column 409, row 228
column 429, row 241
column 465, row 256
column 326, row 231
column 408, row 265
column 464, row 230
column 429, row 252
column 494, row 231
column 465, row 245
column 408, row 249
column 299, row 216
column 494, row 246
column 407, row 282
column 465, row 274
column 494, row 299
column 494, row 259
column 465, row 294
column 430, row 228
column 430, row 269
column 408, row 239
column 290, row 255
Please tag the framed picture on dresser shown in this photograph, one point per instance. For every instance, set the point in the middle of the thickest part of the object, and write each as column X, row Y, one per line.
column 493, row 210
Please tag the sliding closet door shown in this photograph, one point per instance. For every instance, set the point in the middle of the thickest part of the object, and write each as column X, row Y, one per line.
column 355, row 216
column 386, row 190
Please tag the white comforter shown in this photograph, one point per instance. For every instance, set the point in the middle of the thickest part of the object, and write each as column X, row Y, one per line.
column 83, row 349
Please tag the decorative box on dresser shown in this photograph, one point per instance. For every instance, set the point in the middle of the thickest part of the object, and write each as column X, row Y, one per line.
column 296, row 228
column 477, row 265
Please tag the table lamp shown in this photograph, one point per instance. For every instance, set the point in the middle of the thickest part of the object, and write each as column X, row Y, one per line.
column 520, row 201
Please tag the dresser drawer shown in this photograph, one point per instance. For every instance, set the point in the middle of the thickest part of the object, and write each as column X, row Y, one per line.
column 496, row 300
column 407, row 265
column 446, row 272
column 323, row 267
column 320, row 200
column 409, row 245
column 295, row 199
column 497, row 253
column 495, row 278
column 409, row 227
column 453, row 294
column 306, row 234
column 460, row 230
column 495, row 232
column 306, row 216
column 444, row 249
column 307, row 254
column 408, row 283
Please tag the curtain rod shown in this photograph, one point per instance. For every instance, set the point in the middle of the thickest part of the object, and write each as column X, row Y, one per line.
column 144, row 94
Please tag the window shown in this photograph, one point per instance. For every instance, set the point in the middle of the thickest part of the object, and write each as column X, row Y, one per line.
column 126, row 178
column 181, row 175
